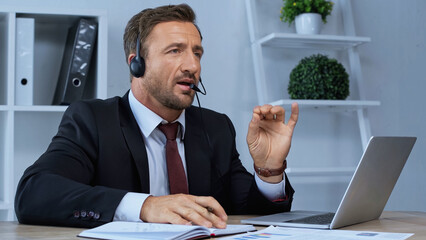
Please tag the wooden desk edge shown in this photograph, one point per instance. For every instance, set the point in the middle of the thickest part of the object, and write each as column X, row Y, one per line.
column 396, row 221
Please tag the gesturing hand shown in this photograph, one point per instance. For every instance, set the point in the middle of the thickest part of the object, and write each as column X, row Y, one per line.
column 184, row 209
column 269, row 138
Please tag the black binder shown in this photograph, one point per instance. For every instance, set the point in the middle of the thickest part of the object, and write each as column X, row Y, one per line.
column 76, row 62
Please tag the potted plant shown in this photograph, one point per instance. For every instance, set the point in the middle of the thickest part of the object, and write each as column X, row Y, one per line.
column 319, row 77
column 307, row 14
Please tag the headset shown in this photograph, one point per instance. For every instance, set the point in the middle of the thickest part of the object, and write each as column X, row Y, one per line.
column 137, row 64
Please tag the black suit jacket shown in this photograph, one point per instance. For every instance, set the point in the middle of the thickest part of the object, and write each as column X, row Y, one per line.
column 98, row 155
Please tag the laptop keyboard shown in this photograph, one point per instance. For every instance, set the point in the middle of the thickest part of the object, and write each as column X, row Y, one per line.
column 316, row 219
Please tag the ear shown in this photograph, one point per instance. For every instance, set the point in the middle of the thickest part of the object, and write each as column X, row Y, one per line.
column 130, row 57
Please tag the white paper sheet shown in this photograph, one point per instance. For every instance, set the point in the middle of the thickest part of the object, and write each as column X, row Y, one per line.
column 282, row 233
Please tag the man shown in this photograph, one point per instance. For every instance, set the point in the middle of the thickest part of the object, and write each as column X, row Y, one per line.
column 108, row 162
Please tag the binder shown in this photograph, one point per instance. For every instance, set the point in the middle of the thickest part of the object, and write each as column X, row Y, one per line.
column 76, row 62
column 24, row 60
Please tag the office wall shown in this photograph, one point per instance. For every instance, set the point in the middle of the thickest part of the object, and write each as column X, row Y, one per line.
column 393, row 68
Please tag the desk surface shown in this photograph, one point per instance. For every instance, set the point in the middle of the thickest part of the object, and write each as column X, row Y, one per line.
column 404, row 222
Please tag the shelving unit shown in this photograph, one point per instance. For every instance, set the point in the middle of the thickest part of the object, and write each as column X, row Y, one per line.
column 348, row 42
column 318, row 180
column 26, row 131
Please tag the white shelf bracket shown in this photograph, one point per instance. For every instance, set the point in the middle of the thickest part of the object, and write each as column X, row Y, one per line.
column 257, row 55
column 364, row 127
column 356, row 73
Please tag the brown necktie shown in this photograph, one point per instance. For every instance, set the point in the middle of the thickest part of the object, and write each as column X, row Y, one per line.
column 176, row 172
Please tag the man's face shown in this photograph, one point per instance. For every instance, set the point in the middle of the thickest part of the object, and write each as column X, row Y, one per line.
column 172, row 64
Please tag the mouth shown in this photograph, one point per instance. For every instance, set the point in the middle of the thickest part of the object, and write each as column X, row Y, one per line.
column 185, row 84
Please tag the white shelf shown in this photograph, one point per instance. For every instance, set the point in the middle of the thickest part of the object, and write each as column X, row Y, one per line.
column 34, row 108
column 328, row 42
column 41, row 108
column 343, row 105
column 54, row 12
column 320, row 172
column 5, row 108
column 4, row 206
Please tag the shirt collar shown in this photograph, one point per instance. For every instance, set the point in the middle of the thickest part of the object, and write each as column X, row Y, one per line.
column 148, row 120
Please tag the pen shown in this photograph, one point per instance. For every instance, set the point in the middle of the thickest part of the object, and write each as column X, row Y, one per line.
column 209, row 209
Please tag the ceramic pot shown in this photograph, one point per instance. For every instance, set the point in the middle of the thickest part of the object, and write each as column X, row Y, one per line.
column 308, row 23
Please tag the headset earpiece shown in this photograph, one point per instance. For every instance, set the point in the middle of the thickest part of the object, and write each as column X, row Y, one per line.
column 137, row 64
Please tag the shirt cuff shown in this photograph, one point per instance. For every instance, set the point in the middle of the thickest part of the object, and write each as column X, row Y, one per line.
column 272, row 191
column 130, row 207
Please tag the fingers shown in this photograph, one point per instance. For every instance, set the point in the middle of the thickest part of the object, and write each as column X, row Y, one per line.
column 204, row 216
column 184, row 209
column 269, row 112
column 175, row 218
column 253, row 130
column 212, row 206
column 277, row 113
column 294, row 115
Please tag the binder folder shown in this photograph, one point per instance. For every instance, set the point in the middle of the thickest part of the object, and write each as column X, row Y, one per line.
column 76, row 62
column 24, row 60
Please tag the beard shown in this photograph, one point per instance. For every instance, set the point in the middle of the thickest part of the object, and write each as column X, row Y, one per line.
column 166, row 96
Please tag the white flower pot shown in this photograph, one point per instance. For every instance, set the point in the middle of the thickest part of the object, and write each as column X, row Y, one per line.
column 308, row 23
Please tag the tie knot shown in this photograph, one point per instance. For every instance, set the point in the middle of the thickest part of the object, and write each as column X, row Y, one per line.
column 170, row 130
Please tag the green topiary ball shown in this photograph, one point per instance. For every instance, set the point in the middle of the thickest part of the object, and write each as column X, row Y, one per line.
column 319, row 77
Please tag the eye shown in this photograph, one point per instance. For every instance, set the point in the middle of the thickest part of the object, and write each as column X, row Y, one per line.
column 174, row 50
column 198, row 54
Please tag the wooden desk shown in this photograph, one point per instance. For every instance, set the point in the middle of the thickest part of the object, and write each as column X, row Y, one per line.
column 404, row 222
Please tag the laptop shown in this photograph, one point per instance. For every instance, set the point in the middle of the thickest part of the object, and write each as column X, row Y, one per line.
column 367, row 193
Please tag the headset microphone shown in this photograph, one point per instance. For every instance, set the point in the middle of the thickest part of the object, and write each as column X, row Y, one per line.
column 204, row 92
column 195, row 88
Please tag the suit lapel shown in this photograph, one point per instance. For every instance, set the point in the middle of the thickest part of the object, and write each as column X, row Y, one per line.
column 197, row 154
column 135, row 142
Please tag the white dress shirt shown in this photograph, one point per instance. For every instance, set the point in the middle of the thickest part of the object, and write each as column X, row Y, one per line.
column 155, row 142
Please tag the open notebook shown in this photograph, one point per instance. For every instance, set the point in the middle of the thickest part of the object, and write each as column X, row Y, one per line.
column 141, row 230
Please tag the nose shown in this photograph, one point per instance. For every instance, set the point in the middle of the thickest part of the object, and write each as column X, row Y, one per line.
column 190, row 63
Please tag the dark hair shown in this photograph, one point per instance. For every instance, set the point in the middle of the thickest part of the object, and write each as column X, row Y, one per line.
column 143, row 23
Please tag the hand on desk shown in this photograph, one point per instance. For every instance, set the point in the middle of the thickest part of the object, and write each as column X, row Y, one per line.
column 184, row 209
column 269, row 138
